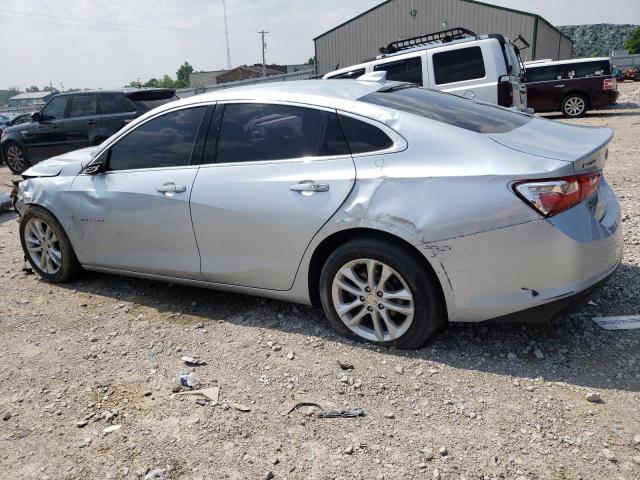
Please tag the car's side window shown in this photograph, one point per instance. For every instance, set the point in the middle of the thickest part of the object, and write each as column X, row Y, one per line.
column 458, row 65
column 409, row 70
column 165, row 141
column 364, row 137
column 55, row 109
column 110, row 103
column 541, row 74
column 266, row 132
column 83, row 106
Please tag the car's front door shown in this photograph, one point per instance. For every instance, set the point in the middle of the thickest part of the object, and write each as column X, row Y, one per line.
column 276, row 175
column 80, row 124
column 135, row 216
column 45, row 138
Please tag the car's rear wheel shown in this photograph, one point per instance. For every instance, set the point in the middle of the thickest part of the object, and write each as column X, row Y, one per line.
column 575, row 105
column 46, row 246
column 376, row 291
column 15, row 158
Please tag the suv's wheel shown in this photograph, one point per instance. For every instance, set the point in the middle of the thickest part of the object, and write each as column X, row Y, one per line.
column 47, row 246
column 375, row 291
column 15, row 158
column 575, row 105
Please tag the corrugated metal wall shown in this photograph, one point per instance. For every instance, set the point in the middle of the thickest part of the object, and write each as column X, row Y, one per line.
column 566, row 48
column 549, row 43
column 359, row 39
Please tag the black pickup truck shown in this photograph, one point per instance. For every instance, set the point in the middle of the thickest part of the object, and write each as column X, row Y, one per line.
column 70, row 121
column 571, row 87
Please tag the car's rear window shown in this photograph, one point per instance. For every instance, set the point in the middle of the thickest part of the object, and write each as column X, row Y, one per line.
column 450, row 109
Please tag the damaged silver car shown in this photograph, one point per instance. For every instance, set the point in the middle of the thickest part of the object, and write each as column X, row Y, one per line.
column 395, row 208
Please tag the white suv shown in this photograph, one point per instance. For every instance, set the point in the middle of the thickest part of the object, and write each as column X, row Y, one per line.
column 483, row 67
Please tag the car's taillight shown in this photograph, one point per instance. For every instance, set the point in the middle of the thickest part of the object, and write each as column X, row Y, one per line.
column 555, row 195
column 609, row 84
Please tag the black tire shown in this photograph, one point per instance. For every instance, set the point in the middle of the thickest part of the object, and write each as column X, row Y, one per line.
column 428, row 315
column 69, row 266
column 574, row 105
column 16, row 158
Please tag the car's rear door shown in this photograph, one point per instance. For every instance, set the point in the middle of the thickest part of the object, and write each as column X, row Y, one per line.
column 81, row 122
column 116, row 110
column 272, row 175
column 135, row 216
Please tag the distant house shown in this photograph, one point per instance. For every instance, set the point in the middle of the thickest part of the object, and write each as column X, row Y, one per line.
column 246, row 72
column 30, row 99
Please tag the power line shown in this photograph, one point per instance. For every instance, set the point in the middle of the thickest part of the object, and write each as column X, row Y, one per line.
column 226, row 34
column 99, row 22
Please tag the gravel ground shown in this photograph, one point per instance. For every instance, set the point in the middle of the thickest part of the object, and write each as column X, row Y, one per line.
column 486, row 401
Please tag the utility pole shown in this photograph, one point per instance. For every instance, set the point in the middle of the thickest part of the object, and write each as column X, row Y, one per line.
column 264, row 47
column 61, row 87
column 226, row 34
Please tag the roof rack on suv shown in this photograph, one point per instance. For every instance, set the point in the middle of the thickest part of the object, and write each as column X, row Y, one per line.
column 421, row 40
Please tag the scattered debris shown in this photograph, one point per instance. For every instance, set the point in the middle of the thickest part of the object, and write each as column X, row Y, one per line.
column 212, row 393
column 203, row 402
column 111, row 429
column 594, row 397
column 188, row 379
column 6, row 416
column 6, row 201
column 193, row 361
column 236, row 406
column 345, row 413
column 622, row 322
column 291, row 355
column 156, row 473
column 269, row 476
column 345, row 366
column 609, row 455
column 82, row 423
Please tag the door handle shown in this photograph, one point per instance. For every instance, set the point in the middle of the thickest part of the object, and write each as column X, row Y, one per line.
column 91, row 122
column 309, row 186
column 559, row 86
column 171, row 188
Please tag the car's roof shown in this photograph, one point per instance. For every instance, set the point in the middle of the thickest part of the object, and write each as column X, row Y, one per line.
column 327, row 93
column 126, row 91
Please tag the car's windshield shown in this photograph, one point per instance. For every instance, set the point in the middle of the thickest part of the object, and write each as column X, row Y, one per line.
column 450, row 109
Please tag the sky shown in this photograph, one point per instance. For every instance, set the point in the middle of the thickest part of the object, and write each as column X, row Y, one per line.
column 107, row 44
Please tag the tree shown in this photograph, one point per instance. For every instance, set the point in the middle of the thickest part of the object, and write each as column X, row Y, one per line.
column 167, row 82
column 182, row 75
column 152, row 83
column 311, row 61
column 633, row 44
column 33, row 88
column 134, row 84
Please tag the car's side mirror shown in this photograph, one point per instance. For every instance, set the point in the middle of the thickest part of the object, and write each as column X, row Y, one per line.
column 99, row 165
column 36, row 117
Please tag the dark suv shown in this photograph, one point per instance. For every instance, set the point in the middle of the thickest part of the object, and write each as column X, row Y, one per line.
column 570, row 86
column 70, row 121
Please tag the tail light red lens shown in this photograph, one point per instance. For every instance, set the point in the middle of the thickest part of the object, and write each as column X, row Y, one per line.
column 555, row 195
column 609, row 84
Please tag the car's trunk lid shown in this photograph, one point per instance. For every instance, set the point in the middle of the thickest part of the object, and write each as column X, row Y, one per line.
column 584, row 147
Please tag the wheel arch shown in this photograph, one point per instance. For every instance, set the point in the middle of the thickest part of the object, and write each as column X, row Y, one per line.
column 329, row 244
column 582, row 93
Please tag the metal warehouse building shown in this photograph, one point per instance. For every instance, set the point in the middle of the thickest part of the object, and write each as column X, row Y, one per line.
column 359, row 38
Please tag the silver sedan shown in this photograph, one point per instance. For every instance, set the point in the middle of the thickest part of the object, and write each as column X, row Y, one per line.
column 395, row 208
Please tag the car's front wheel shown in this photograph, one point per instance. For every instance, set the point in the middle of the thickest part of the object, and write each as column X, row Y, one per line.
column 575, row 105
column 15, row 158
column 376, row 291
column 46, row 246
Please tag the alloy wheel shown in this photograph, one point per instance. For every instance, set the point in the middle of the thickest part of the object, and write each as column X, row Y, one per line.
column 575, row 106
column 373, row 300
column 43, row 246
column 15, row 158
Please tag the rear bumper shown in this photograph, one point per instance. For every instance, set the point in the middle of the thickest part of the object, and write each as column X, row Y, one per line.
column 536, row 268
